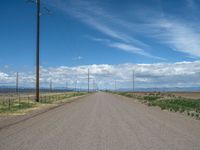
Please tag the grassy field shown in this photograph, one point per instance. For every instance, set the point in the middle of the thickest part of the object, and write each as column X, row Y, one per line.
column 168, row 101
column 22, row 103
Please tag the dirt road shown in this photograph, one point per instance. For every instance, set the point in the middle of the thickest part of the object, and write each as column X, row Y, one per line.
column 103, row 122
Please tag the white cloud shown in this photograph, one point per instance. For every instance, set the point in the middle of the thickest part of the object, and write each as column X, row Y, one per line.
column 183, row 74
column 3, row 75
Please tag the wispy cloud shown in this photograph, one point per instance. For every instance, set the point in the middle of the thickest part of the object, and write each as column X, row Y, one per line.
column 6, row 66
column 93, row 16
column 133, row 49
column 109, row 25
column 78, row 58
column 170, row 30
column 190, row 3
column 177, row 32
column 126, row 47
column 179, row 36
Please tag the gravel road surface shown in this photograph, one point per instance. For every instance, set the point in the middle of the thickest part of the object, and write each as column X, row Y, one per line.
column 103, row 121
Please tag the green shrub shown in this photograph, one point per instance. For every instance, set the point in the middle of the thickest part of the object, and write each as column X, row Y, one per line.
column 173, row 103
column 151, row 97
column 197, row 115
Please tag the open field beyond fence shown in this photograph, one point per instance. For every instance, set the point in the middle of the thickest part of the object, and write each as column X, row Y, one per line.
column 183, row 102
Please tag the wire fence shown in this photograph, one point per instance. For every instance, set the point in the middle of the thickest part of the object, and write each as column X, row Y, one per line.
column 11, row 101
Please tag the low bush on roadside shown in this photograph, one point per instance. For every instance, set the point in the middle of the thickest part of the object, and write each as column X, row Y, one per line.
column 126, row 94
column 192, row 107
column 179, row 104
column 151, row 97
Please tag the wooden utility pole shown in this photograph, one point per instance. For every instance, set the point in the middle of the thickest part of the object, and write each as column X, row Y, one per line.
column 88, row 80
column 50, row 86
column 38, row 51
column 115, row 86
column 93, row 85
column 17, row 83
column 133, row 80
column 75, row 85
column 66, row 85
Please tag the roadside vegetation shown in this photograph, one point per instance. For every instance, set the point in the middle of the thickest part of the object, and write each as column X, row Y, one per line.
column 18, row 105
column 166, row 101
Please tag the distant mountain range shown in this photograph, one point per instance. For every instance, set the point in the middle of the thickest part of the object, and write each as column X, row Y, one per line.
column 24, row 89
column 163, row 89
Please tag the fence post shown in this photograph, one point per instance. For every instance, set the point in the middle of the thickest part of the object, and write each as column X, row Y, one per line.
column 19, row 100
column 4, row 101
column 9, row 103
column 28, row 100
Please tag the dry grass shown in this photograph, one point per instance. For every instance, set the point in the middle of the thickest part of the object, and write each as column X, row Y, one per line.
column 21, row 105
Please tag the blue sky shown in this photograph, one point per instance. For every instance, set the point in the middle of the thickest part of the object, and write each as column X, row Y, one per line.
column 109, row 32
